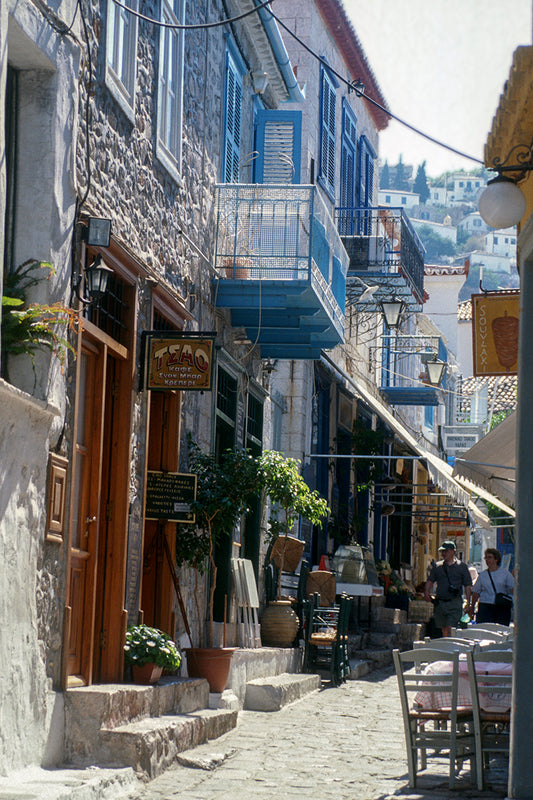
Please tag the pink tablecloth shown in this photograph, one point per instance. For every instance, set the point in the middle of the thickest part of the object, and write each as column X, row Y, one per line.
column 490, row 701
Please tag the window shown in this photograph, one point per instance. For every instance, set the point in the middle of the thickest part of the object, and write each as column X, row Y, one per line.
column 429, row 416
column 477, row 223
column 366, row 173
column 232, row 120
column 122, row 53
column 404, row 201
column 327, row 133
column 348, row 157
column 387, row 198
column 278, row 139
column 495, row 240
column 170, row 101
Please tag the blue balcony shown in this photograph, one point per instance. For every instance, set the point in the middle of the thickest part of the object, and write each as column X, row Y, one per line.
column 281, row 268
column 403, row 377
column 385, row 253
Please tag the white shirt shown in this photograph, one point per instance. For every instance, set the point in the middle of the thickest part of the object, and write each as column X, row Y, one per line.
column 503, row 581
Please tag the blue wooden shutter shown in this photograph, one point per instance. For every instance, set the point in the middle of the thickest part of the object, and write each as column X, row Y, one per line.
column 232, row 121
column 348, row 162
column 278, row 142
column 327, row 133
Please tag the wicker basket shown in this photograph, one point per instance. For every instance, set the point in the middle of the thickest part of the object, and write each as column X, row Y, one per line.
column 287, row 552
column 420, row 611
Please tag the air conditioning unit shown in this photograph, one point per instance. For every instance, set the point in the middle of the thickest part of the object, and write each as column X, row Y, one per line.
column 365, row 252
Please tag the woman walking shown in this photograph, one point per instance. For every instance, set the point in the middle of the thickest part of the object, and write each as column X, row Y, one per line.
column 489, row 587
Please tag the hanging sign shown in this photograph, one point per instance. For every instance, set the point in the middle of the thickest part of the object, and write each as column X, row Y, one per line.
column 495, row 333
column 169, row 496
column 179, row 361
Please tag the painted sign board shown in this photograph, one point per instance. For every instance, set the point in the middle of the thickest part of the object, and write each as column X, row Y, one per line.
column 169, row 496
column 495, row 333
column 175, row 360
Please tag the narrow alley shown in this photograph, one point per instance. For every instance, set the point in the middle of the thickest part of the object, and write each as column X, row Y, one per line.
column 345, row 743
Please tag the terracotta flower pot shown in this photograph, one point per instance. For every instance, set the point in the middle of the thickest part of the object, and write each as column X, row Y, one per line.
column 146, row 674
column 211, row 663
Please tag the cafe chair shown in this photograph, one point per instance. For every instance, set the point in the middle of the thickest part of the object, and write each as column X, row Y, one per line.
column 491, row 688
column 446, row 644
column 497, row 627
column 479, row 634
column 326, row 639
column 448, row 728
column 506, row 646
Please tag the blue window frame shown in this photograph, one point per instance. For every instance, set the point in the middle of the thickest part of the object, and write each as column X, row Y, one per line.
column 366, row 159
column 327, row 133
column 278, row 143
column 232, row 120
column 348, row 157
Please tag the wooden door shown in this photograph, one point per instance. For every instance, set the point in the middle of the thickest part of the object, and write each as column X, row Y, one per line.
column 86, row 511
column 157, row 595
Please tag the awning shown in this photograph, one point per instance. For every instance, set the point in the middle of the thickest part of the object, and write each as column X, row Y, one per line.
column 491, row 462
column 439, row 471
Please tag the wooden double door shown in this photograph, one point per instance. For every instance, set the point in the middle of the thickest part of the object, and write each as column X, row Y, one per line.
column 95, row 616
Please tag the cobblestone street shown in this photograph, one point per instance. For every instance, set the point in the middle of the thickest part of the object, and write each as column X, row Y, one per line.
column 345, row 743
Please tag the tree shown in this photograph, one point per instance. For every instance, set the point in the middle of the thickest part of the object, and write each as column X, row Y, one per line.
column 401, row 182
column 436, row 246
column 420, row 185
column 384, row 180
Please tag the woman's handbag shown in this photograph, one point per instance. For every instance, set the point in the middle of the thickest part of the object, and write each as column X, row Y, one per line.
column 501, row 599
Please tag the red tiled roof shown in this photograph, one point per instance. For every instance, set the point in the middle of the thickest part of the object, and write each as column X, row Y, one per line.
column 502, row 390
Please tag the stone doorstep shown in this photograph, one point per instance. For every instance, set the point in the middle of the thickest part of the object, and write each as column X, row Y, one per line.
column 270, row 694
column 358, row 668
column 151, row 745
column 88, row 709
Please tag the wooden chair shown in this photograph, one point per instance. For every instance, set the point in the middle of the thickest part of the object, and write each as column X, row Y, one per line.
column 491, row 719
column 478, row 633
column 326, row 639
column 452, row 728
column 497, row 627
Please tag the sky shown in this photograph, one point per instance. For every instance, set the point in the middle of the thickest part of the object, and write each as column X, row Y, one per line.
column 441, row 66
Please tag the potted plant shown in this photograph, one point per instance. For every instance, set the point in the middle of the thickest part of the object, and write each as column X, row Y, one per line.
column 222, row 490
column 291, row 498
column 27, row 327
column 149, row 651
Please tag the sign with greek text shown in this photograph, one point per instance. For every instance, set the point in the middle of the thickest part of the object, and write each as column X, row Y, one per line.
column 495, row 333
column 169, row 496
column 179, row 361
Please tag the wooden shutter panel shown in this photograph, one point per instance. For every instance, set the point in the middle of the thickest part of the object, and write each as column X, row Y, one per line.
column 278, row 141
column 232, row 122
column 327, row 123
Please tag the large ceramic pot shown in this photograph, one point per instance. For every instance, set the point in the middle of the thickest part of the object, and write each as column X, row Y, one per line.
column 279, row 624
column 146, row 674
column 211, row 663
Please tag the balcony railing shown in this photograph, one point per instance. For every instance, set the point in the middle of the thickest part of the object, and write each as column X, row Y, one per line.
column 281, row 239
column 403, row 376
column 383, row 249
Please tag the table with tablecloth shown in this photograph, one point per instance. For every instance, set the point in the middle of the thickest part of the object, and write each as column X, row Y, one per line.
column 489, row 701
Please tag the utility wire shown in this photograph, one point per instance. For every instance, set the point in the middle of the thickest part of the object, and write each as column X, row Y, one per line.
column 370, row 99
column 200, row 26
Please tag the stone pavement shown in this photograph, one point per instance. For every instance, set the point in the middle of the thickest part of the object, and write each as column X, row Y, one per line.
column 343, row 743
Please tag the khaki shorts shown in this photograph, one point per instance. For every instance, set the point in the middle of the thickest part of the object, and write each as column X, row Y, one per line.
column 448, row 612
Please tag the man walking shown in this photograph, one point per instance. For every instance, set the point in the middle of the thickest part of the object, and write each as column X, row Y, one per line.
column 450, row 575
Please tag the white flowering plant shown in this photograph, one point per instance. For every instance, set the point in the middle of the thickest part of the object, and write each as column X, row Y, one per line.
column 145, row 645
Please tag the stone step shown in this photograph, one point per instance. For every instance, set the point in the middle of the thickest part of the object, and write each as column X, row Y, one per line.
column 88, row 709
column 359, row 667
column 378, row 657
column 152, row 744
column 270, row 694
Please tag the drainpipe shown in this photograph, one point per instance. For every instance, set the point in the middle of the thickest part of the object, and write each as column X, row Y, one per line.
column 282, row 57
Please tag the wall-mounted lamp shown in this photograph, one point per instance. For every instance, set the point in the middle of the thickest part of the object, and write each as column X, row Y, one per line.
column 357, row 86
column 435, row 371
column 502, row 204
column 392, row 312
column 96, row 281
column 98, row 232
column 259, row 81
